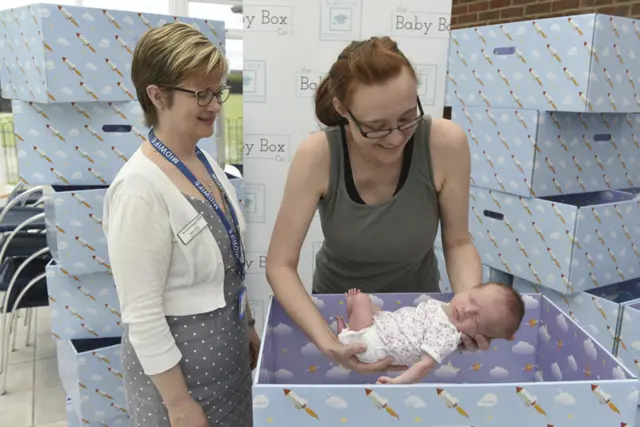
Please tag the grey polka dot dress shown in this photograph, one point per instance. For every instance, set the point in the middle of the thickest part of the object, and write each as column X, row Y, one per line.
column 215, row 354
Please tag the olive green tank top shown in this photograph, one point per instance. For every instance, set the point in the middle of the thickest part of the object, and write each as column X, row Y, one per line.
column 382, row 247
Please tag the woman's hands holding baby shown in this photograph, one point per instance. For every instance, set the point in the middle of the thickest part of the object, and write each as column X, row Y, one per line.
column 475, row 343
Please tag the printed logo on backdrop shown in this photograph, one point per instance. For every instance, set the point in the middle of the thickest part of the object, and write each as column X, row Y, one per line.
column 427, row 79
column 268, row 19
column 405, row 23
column 255, row 262
column 315, row 248
column 307, row 82
column 254, row 81
column 267, row 147
column 340, row 20
column 255, row 203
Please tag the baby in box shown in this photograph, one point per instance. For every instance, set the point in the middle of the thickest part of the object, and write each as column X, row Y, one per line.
column 422, row 336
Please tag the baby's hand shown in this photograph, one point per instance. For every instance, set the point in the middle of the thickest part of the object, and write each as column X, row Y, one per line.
column 386, row 380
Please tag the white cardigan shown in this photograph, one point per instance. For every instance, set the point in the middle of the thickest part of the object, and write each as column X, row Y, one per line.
column 155, row 273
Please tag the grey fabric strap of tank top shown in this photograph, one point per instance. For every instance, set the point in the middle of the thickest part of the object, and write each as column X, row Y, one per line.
column 383, row 247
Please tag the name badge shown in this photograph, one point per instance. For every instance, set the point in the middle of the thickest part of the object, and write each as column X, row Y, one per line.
column 191, row 230
column 243, row 302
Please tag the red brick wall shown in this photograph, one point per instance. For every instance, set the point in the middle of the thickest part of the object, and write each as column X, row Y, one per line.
column 473, row 13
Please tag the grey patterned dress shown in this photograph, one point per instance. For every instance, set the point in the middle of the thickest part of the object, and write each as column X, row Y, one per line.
column 215, row 356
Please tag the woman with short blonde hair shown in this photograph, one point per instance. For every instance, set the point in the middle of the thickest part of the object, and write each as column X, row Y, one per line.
column 174, row 230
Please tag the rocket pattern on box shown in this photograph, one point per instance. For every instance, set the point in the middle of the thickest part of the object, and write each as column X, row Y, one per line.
column 539, row 154
column 488, row 274
column 74, row 229
column 91, row 374
column 583, row 63
column 74, row 421
column 598, row 310
column 51, row 53
column 567, row 243
column 297, row 386
column 79, row 143
column 82, row 306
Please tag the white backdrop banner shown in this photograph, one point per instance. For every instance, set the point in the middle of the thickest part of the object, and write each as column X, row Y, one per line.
column 289, row 45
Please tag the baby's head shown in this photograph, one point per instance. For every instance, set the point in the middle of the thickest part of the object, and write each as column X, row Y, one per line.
column 490, row 309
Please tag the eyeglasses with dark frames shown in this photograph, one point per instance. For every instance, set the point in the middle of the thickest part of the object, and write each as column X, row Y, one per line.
column 377, row 134
column 205, row 97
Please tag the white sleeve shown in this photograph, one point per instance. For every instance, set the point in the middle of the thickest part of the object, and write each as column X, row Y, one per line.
column 140, row 248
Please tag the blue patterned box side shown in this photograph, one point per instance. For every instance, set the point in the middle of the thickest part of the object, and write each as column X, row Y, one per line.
column 566, row 243
column 74, row 421
column 79, row 54
column 79, row 143
column 562, row 356
column 614, row 78
column 628, row 349
column 538, row 154
column 22, row 53
column 284, row 398
column 581, row 63
column 82, row 306
column 93, row 377
column 597, row 314
column 74, row 229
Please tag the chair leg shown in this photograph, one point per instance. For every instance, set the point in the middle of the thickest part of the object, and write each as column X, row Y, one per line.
column 26, row 317
column 31, row 313
column 16, row 326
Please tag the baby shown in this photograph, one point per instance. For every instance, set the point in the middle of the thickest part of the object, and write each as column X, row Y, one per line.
column 422, row 336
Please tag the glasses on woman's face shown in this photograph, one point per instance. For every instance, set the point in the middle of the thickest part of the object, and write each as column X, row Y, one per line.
column 403, row 127
column 205, row 97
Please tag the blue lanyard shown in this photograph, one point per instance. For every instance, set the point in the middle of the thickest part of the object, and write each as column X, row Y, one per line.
column 236, row 243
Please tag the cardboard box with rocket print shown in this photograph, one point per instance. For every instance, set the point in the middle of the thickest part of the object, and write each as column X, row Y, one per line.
column 583, row 63
column 73, row 420
column 567, row 243
column 91, row 374
column 598, row 310
column 79, row 143
column 74, row 229
column 52, row 53
column 82, row 306
column 538, row 379
column 539, row 154
column 488, row 274
column 628, row 349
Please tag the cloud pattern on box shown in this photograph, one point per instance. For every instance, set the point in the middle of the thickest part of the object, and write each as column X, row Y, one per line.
column 83, row 306
column 538, row 154
column 579, row 63
column 547, row 385
column 74, row 421
column 596, row 310
column 74, row 229
column 79, row 143
column 566, row 243
column 55, row 53
column 91, row 374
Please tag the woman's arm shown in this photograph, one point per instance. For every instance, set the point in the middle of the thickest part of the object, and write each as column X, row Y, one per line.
column 451, row 154
column 140, row 247
column 306, row 180
column 463, row 262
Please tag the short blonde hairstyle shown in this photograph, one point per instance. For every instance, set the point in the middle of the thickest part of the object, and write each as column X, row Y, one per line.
column 167, row 56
